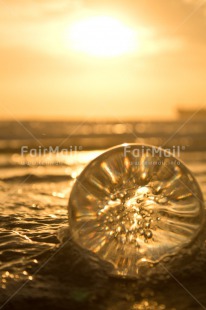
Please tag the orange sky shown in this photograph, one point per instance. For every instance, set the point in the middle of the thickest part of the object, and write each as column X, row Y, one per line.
column 42, row 76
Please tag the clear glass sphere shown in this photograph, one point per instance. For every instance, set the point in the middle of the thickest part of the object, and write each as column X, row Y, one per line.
column 133, row 206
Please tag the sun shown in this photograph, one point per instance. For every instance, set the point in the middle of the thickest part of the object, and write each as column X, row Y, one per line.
column 102, row 36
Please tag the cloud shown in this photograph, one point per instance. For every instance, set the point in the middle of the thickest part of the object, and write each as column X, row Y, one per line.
column 40, row 24
column 36, row 10
column 171, row 18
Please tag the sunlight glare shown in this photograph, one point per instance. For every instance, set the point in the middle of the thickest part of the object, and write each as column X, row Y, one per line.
column 102, row 36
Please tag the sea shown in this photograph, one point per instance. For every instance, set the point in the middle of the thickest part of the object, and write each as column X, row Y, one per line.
column 40, row 265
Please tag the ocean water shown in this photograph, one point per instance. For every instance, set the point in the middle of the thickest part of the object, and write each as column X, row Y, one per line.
column 40, row 265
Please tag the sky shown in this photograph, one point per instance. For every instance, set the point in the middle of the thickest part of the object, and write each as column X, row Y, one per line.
column 44, row 76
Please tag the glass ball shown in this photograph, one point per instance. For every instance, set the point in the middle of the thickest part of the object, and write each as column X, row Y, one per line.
column 136, row 206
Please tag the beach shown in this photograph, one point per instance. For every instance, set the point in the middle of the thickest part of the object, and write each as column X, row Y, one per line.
column 38, row 269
